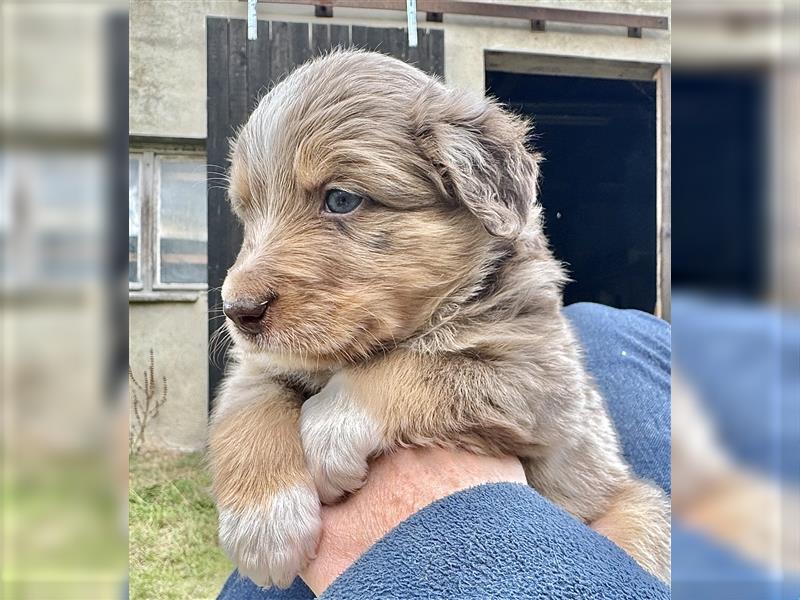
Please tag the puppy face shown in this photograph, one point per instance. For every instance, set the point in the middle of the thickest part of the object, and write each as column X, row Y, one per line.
column 369, row 194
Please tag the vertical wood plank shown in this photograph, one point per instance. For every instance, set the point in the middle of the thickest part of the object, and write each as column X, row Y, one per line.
column 339, row 36
column 280, row 64
column 325, row 37
column 395, row 42
column 258, row 65
column 237, row 72
column 320, row 38
column 230, row 232
column 418, row 56
column 218, row 124
column 289, row 48
column 376, row 39
column 238, row 111
column 300, row 51
column 431, row 52
column 359, row 37
column 436, row 52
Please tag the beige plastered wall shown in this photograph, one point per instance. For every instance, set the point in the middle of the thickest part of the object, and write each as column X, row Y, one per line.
column 177, row 333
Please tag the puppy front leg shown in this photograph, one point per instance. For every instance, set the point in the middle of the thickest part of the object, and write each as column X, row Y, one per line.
column 638, row 521
column 339, row 435
column 402, row 399
column 269, row 522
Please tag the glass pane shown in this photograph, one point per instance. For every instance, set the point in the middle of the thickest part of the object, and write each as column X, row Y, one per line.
column 134, row 212
column 182, row 234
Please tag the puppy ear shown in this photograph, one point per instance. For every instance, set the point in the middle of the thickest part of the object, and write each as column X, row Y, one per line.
column 479, row 154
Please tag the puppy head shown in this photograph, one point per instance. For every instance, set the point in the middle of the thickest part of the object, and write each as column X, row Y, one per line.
column 369, row 193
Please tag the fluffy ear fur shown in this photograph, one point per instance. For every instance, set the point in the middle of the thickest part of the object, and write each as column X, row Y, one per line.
column 478, row 151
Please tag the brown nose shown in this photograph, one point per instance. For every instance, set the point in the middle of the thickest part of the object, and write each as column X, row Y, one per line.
column 247, row 314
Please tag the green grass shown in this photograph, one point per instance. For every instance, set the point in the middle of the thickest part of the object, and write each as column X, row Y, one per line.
column 62, row 534
column 173, row 530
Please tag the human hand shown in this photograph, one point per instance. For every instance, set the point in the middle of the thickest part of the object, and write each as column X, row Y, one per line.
column 398, row 485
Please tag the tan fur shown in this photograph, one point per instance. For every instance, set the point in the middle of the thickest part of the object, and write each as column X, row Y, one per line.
column 247, row 444
column 636, row 520
column 432, row 313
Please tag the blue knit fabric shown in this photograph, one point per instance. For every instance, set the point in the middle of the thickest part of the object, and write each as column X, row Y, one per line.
column 494, row 541
column 744, row 360
column 505, row 540
column 628, row 353
column 241, row 588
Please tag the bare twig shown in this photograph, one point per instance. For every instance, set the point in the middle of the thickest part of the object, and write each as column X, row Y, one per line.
column 146, row 405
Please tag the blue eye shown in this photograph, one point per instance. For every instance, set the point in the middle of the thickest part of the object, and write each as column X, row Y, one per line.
column 341, row 202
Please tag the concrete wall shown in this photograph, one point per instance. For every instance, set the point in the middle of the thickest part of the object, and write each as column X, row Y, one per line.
column 177, row 332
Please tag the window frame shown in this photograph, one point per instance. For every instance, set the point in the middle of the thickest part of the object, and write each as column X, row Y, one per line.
column 149, row 288
column 159, row 285
column 137, row 285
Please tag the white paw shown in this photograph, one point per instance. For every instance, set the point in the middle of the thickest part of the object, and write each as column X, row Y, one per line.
column 270, row 544
column 338, row 438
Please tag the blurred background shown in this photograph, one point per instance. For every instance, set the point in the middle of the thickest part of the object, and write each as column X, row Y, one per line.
column 63, row 320
column 735, row 299
column 646, row 111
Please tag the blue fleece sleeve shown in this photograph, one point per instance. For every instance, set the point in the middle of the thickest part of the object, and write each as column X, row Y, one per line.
column 241, row 588
column 628, row 352
column 494, row 541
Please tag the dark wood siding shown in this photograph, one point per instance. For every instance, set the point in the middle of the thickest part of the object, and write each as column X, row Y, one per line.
column 239, row 73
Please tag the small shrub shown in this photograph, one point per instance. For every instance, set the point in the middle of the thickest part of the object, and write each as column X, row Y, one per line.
column 146, row 403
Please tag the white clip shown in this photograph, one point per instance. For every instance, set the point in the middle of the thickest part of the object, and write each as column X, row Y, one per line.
column 411, row 12
column 252, row 24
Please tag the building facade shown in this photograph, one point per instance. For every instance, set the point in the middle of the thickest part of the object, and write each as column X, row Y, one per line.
column 584, row 80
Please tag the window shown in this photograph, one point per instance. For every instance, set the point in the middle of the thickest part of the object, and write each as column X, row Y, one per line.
column 182, row 236
column 167, row 234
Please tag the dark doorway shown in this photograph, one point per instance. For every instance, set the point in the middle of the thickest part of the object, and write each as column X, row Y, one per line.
column 598, row 188
column 240, row 71
column 719, row 214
